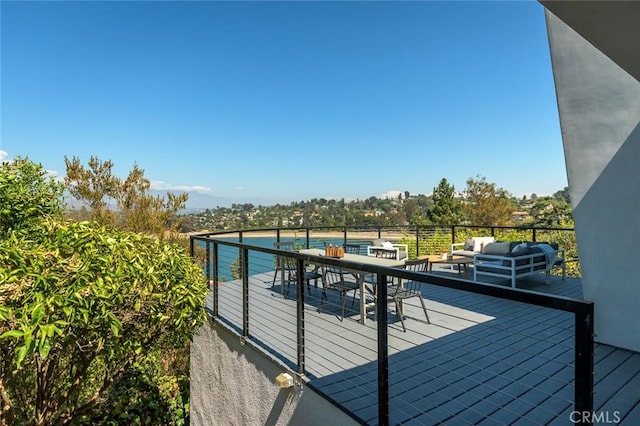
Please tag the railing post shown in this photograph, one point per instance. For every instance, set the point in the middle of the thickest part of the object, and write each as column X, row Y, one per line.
column 244, row 267
column 533, row 235
column 215, row 278
column 300, row 317
column 383, row 352
column 307, row 244
column 453, row 234
column 192, row 250
column 278, row 235
column 344, row 233
column 583, row 383
column 207, row 265
column 417, row 241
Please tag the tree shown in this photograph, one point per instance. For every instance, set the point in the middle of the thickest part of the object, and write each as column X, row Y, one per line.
column 550, row 212
column 137, row 210
column 410, row 208
column 143, row 212
column 563, row 195
column 27, row 195
column 486, row 204
column 96, row 186
column 81, row 307
column 446, row 208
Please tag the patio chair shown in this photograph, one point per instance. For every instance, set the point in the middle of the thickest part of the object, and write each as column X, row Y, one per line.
column 281, row 266
column 287, row 266
column 292, row 274
column 397, row 294
column 333, row 279
column 352, row 248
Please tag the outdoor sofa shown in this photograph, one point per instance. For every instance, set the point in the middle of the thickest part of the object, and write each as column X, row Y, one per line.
column 383, row 248
column 513, row 260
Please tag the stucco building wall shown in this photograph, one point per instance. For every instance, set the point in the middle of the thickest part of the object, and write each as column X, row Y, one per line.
column 599, row 107
column 234, row 384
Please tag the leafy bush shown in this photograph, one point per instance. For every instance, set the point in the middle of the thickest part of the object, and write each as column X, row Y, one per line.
column 430, row 242
column 27, row 195
column 81, row 308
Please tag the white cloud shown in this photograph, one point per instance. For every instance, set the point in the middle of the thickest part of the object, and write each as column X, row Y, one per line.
column 53, row 174
column 239, row 188
column 3, row 155
column 159, row 185
column 390, row 194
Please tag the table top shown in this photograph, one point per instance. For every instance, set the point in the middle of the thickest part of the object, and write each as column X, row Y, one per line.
column 460, row 260
column 357, row 258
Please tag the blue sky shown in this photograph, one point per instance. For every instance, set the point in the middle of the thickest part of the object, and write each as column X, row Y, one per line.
column 271, row 102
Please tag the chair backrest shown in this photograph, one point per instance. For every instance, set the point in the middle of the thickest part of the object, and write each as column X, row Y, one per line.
column 412, row 287
column 352, row 248
column 386, row 254
column 287, row 262
column 284, row 245
column 331, row 276
column 417, row 265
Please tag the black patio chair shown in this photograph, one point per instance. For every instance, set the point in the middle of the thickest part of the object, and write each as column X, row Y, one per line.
column 352, row 248
column 281, row 266
column 334, row 279
column 292, row 274
column 398, row 293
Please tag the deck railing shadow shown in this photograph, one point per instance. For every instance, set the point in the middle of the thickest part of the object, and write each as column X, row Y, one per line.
column 337, row 355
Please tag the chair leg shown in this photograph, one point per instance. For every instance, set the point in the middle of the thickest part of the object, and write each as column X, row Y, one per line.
column 344, row 304
column 287, row 283
column 425, row 310
column 400, row 315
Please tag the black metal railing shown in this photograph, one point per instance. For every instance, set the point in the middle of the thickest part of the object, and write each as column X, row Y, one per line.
column 351, row 232
column 252, row 256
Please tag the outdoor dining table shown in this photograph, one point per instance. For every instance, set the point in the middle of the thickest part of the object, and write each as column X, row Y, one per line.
column 347, row 264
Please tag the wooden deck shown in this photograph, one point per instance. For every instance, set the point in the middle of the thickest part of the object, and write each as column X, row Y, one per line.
column 482, row 360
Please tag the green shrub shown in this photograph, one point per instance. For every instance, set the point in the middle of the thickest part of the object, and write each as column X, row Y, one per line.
column 82, row 307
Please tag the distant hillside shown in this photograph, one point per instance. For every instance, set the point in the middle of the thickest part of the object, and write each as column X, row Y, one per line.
column 198, row 201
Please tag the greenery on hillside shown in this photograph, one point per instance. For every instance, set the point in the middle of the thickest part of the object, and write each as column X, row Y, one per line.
column 480, row 203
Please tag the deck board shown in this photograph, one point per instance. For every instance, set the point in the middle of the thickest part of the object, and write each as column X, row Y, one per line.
column 482, row 360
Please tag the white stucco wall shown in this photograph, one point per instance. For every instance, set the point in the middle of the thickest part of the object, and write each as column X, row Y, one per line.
column 234, row 384
column 599, row 106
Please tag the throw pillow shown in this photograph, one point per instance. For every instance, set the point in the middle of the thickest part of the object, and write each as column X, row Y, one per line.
column 468, row 244
column 520, row 248
column 498, row 249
